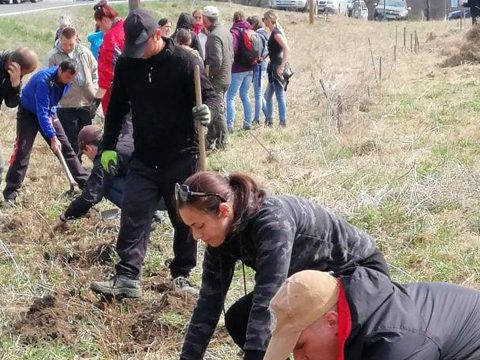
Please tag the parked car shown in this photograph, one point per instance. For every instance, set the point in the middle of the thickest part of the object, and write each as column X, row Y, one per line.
column 331, row 6
column 296, row 5
column 17, row 1
column 360, row 10
column 457, row 14
column 349, row 8
column 391, row 10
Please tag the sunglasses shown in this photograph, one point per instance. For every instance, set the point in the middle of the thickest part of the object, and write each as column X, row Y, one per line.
column 184, row 194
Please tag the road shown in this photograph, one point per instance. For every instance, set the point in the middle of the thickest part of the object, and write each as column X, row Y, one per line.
column 29, row 7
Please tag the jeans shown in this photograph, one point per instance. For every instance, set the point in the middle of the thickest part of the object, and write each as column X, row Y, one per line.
column 260, row 104
column 240, row 81
column 277, row 88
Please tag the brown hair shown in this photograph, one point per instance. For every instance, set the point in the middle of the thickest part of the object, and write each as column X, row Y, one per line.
column 25, row 57
column 245, row 193
column 103, row 10
column 255, row 22
column 183, row 37
column 163, row 21
column 69, row 32
column 197, row 11
column 238, row 15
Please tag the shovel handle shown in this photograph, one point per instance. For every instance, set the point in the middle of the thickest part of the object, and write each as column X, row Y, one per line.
column 202, row 161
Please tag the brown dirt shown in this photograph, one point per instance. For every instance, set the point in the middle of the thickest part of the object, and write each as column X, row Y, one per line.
column 466, row 51
column 46, row 320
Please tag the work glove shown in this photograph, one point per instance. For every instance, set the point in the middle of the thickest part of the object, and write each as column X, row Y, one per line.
column 109, row 161
column 201, row 114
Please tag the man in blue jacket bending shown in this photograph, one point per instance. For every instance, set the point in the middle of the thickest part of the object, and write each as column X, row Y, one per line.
column 37, row 112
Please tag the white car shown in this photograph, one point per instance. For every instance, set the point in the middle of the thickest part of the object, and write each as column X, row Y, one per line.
column 332, row 6
column 296, row 5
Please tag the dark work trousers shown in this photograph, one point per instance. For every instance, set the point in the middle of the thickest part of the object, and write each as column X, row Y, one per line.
column 144, row 187
column 73, row 120
column 27, row 129
column 217, row 134
column 236, row 318
column 2, row 163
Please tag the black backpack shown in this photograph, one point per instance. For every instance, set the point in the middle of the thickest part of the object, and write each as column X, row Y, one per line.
column 248, row 47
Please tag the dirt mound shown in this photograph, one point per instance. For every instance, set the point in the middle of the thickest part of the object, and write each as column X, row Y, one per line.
column 46, row 320
column 100, row 254
column 464, row 52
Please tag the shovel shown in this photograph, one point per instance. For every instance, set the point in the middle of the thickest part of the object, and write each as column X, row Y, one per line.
column 72, row 182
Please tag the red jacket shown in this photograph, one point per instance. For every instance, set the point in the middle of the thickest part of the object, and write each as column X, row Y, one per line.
column 108, row 54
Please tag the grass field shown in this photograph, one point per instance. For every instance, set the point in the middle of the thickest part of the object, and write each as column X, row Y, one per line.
column 399, row 157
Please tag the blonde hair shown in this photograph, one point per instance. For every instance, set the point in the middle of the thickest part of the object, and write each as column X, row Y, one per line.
column 273, row 17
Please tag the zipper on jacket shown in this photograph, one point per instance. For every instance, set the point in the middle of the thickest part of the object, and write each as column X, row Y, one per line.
column 150, row 74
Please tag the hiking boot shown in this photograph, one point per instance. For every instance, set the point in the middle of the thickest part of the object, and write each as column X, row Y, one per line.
column 255, row 122
column 246, row 127
column 118, row 286
column 283, row 123
column 183, row 286
column 269, row 122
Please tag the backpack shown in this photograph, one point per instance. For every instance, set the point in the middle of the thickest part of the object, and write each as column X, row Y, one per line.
column 248, row 48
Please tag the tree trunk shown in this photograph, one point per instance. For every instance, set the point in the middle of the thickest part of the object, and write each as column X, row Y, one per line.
column 133, row 4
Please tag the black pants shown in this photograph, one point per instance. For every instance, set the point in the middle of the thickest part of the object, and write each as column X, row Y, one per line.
column 217, row 135
column 143, row 189
column 2, row 163
column 27, row 129
column 236, row 318
column 73, row 120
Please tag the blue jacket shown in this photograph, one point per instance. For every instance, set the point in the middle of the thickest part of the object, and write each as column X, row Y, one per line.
column 41, row 96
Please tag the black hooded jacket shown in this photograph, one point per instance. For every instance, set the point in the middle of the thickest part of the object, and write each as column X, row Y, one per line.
column 421, row 321
column 8, row 93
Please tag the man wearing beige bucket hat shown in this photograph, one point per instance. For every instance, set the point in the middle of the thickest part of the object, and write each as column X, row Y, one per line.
column 364, row 316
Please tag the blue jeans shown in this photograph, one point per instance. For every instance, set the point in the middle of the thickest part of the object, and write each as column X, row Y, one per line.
column 260, row 104
column 240, row 81
column 277, row 88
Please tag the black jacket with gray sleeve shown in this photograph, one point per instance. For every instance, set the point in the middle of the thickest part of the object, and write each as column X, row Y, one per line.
column 288, row 234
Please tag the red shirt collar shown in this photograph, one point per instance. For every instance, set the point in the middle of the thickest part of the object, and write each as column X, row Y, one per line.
column 344, row 320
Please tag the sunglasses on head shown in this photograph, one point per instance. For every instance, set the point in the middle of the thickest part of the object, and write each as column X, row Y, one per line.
column 98, row 6
column 184, row 194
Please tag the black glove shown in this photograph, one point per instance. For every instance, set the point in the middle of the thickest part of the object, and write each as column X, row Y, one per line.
column 94, row 106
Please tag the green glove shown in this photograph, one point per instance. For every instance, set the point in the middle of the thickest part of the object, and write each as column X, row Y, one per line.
column 109, row 161
column 201, row 114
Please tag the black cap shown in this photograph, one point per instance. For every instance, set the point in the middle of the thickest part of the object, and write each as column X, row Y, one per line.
column 139, row 26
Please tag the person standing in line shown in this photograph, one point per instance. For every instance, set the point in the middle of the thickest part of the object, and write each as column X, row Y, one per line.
column 278, row 51
column 111, row 24
column 185, row 21
column 77, row 108
column 155, row 78
column 199, row 29
column 13, row 66
column 241, row 75
column 219, row 59
column 63, row 22
column 165, row 27
column 260, row 68
column 38, row 112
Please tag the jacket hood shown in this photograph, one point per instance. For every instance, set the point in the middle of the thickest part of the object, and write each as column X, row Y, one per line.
column 184, row 21
column 241, row 24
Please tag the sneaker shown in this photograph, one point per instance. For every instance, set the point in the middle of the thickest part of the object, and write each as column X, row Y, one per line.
column 255, row 122
column 269, row 122
column 118, row 286
column 11, row 199
column 283, row 123
column 183, row 286
column 246, row 127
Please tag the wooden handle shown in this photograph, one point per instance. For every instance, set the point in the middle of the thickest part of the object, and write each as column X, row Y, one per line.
column 202, row 160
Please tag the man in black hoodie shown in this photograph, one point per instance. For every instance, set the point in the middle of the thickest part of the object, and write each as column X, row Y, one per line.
column 13, row 66
column 155, row 79
column 364, row 316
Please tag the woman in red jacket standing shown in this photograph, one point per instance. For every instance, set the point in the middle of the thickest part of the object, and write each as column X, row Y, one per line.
column 111, row 24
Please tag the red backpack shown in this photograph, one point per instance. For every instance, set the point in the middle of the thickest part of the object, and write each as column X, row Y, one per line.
column 248, row 47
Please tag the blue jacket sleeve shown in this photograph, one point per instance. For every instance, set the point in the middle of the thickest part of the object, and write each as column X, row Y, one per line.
column 43, row 109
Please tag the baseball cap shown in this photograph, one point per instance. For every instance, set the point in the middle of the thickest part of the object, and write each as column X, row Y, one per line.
column 301, row 300
column 139, row 26
column 87, row 136
column 210, row 11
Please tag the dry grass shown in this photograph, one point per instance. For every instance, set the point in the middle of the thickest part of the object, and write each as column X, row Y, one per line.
column 398, row 157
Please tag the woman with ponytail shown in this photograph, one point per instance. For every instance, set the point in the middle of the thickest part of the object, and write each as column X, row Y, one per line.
column 108, row 21
column 278, row 52
column 276, row 236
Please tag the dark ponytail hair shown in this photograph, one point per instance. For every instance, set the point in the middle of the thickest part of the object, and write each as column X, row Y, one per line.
column 243, row 191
